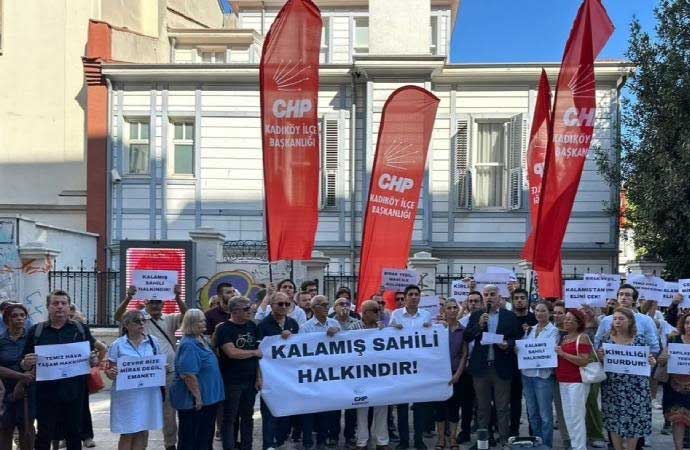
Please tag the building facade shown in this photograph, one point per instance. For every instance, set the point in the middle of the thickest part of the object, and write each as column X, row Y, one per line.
column 184, row 148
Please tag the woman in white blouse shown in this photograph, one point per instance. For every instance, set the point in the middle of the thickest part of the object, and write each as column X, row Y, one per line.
column 538, row 384
column 133, row 412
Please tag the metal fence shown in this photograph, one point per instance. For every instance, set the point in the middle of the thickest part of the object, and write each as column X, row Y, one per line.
column 94, row 293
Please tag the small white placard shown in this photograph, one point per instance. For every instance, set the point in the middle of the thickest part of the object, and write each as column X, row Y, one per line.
column 55, row 362
column 491, row 338
column 649, row 287
column 629, row 359
column 459, row 290
column 679, row 359
column 432, row 304
column 536, row 353
column 499, row 279
column 670, row 290
column 155, row 284
column 398, row 279
column 684, row 288
column 140, row 372
column 585, row 292
column 613, row 282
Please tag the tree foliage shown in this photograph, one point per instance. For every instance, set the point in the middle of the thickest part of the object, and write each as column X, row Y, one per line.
column 654, row 167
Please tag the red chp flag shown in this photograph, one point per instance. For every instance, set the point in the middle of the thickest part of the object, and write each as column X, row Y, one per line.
column 549, row 282
column 573, row 117
column 396, row 179
column 289, row 78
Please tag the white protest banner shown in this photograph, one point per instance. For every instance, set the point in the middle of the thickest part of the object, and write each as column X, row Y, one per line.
column 613, row 282
column 59, row 361
column 679, row 359
column 536, row 353
column 354, row 369
column 398, row 279
column 499, row 279
column 585, row 292
column 670, row 290
column 630, row 359
column 491, row 338
column 432, row 304
column 140, row 372
column 684, row 288
column 459, row 290
column 649, row 287
column 495, row 269
column 155, row 284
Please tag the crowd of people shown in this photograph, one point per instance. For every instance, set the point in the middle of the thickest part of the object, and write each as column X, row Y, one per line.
column 213, row 372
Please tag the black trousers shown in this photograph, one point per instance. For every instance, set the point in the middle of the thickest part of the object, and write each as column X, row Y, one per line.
column 466, row 402
column 515, row 405
column 238, row 408
column 59, row 418
column 195, row 428
column 86, row 422
column 422, row 414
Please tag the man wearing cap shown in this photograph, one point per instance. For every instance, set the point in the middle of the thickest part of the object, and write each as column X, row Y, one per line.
column 162, row 326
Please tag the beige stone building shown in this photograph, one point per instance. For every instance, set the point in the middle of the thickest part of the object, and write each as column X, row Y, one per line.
column 43, row 91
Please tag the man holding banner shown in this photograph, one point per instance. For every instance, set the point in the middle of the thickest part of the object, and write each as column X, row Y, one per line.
column 62, row 353
column 411, row 316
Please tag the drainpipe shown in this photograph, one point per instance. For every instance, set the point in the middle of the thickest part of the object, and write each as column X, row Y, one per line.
column 353, row 184
column 109, row 156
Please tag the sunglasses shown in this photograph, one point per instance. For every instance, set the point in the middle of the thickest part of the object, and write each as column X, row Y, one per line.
column 343, row 304
column 139, row 321
column 285, row 304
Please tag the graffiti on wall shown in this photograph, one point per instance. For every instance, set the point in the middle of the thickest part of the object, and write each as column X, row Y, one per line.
column 241, row 280
column 10, row 270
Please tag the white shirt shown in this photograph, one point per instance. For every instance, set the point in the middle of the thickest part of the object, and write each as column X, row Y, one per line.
column 549, row 332
column 401, row 317
column 297, row 313
column 168, row 323
column 314, row 326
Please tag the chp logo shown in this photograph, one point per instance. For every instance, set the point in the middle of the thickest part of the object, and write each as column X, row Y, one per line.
column 539, row 169
column 398, row 156
column 582, row 86
column 360, row 398
column 289, row 77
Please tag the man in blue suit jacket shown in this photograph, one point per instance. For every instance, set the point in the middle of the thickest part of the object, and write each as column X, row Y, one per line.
column 493, row 365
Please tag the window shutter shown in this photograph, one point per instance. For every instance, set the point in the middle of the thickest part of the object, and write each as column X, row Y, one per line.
column 329, row 163
column 517, row 159
column 463, row 174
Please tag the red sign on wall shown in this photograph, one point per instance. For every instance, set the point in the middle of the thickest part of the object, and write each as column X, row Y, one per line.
column 156, row 259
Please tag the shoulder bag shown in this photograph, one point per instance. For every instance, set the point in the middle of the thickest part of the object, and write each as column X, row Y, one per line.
column 593, row 372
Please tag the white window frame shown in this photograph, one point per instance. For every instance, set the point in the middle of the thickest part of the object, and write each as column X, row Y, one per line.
column 213, row 50
column 434, row 33
column 127, row 141
column 329, row 167
column 184, row 141
column 325, row 48
column 358, row 50
column 474, row 156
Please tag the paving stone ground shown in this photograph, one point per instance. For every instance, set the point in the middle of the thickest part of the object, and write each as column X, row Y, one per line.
column 105, row 440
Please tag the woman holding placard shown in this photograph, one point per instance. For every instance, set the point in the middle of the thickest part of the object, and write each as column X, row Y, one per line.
column 133, row 412
column 625, row 398
column 676, row 401
column 538, row 384
column 573, row 353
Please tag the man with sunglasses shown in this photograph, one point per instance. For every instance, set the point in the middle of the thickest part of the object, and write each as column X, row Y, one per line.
column 238, row 342
column 326, row 424
column 163, row 327
column 275, row 429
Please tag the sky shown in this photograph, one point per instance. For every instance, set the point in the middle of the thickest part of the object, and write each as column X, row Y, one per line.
column 536, row 30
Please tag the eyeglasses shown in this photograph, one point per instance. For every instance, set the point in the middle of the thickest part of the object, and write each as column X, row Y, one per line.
column 325, row 305
column 139, row 321
column 285, row 304
column 342, row 304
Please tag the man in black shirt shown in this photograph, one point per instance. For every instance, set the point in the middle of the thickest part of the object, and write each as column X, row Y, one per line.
column 275, row 429
column 238, row 342
column 58, row 402
column 526, row 319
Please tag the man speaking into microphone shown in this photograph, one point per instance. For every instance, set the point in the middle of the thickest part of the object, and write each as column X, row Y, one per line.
column 493, row 362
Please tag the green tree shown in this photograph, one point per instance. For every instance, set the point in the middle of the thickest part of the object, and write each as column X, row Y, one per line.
column 654, row 168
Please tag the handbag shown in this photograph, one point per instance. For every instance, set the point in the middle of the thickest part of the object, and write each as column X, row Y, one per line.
column 95, row 380
column 593, row 372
